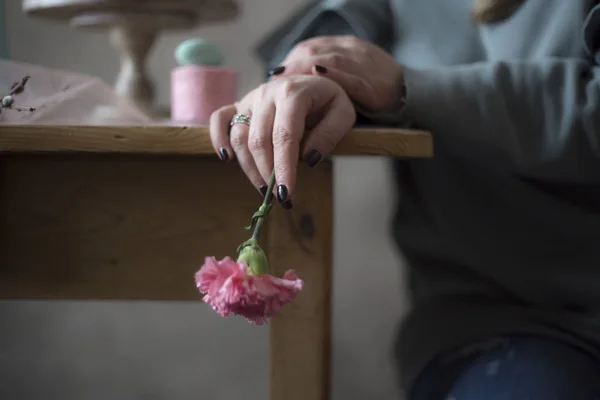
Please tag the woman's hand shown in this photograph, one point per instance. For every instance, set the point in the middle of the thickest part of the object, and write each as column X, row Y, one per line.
column 370, row 76
column 281, row 111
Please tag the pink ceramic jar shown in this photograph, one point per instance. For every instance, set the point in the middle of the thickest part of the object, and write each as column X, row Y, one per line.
column 198, row 91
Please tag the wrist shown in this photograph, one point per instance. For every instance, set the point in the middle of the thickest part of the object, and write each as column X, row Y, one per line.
column 391, row 115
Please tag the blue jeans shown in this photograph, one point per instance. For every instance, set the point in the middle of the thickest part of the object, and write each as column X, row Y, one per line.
column 512, row 368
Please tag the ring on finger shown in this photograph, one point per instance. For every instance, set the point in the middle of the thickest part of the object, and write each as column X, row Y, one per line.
column 238, row 130
column 240, row 119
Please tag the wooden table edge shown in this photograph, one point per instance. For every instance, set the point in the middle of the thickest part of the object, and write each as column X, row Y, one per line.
column 190, row 140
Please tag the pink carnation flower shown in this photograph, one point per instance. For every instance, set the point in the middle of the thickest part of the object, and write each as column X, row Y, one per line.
column 229, row 288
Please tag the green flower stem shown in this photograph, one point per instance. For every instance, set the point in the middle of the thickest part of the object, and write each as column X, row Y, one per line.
column 265, row 207
column 250, row 251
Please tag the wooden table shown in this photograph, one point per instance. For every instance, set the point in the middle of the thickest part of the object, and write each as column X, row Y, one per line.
column 99, row 212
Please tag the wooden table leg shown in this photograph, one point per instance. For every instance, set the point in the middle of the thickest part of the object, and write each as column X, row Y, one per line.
column 301, row 334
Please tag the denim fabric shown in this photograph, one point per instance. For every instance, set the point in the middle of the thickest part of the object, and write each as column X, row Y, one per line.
column 512, row 368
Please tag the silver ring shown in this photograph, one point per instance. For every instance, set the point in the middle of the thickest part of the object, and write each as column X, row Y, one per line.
column 240, row 119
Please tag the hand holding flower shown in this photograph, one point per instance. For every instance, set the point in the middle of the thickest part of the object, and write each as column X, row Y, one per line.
column 244, row 287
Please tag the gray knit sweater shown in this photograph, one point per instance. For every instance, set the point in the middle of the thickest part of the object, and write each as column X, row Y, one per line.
column 501, row 228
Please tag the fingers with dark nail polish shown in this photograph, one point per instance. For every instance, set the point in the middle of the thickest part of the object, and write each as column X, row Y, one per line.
column 282, row 193
column 313, row 158
column 277, row 70
column 320, row 69
column 283, row 197
column 263, row 190
column 223, row 154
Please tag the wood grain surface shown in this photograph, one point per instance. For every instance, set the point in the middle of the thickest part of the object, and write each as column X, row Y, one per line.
column 195, row 140
column 116, row 227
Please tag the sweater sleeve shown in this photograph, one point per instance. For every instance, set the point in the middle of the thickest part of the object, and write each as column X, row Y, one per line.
column 539, row 119
column 368, row 19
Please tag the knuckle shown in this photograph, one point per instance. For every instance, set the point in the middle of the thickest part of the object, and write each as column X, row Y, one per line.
column 304, row 43
column 283, row 136
column 262, row 90
column 310, row 51
column 258, row 143
column 288, row 88
column 352, row 39
column 238, row 140
column 306, row 47
column 336, row 60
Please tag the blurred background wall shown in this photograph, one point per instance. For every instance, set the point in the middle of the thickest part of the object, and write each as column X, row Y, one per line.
column 3, row 41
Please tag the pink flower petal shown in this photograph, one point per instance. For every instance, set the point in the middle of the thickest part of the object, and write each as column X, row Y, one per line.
column 228, row 288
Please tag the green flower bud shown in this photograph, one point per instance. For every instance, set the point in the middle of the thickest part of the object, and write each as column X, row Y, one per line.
column 254, row 257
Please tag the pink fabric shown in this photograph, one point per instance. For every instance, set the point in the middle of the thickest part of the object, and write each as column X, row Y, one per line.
column 197, row 91
column 62, row 97
column 228, row 288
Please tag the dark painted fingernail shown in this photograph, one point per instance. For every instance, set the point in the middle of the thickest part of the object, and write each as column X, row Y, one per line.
column 313, row 158
column 282, row 196
column 287, row 205
column 320, row 69
column 263, row 190
column 282, row 193
column 277, row 70
column 223, row 154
